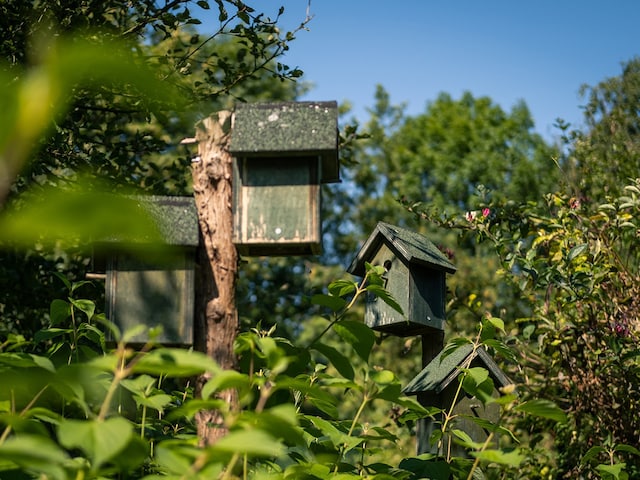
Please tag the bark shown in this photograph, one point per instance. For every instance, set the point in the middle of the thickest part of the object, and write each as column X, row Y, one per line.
column 216, row 319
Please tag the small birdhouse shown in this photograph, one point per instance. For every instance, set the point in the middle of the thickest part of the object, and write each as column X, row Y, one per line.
column 415, row 273
column 153, row 285
column 282, row 153
column 436, row 385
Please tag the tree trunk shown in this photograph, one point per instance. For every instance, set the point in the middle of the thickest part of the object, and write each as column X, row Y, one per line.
column 216, row 319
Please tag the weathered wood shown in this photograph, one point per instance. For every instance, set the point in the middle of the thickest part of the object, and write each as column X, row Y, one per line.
column 215, row 319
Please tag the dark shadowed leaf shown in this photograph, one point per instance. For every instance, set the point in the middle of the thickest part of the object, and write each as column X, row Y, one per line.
column 358, row 335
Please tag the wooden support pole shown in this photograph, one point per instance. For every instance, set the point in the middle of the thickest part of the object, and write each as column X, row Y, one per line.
column 216, row 318
column 432, row 345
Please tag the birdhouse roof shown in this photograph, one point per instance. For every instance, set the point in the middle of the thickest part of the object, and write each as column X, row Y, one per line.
column 288, row 129
column 441, row 371
column 175, row 218
column 406, row 244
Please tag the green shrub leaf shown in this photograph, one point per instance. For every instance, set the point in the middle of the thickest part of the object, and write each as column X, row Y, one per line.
column 358, row 335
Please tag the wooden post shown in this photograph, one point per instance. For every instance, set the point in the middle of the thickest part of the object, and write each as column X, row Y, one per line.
column 432, row 345
column 215, row 318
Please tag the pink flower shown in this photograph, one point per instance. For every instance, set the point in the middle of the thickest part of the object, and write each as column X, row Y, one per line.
column 471, row 216
column 485, row 212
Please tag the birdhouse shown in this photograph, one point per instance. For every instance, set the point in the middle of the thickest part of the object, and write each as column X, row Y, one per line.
column 153, row 285
column 414, row 275
column 436, row 385
column 283, row 152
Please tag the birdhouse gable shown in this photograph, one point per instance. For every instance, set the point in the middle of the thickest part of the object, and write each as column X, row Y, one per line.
column 288, row 129
column 415, row 273
column 409, row 246
column 442, row 371
column 149, row 285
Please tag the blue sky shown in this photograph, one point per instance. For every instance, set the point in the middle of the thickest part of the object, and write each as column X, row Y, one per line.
column 539, row 51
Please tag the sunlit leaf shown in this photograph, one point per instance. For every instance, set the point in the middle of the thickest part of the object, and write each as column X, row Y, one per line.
column 513, row 458
column 175, row 362
column 249, row 442
column 542, row 408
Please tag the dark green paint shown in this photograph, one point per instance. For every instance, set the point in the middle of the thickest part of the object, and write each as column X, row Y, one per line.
column 415, row 277
column 290, row 129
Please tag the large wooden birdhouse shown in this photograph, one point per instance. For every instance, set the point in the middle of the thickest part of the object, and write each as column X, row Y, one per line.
column 437, row 385
column 283, row 152
column 415, row 272
column 153, row 285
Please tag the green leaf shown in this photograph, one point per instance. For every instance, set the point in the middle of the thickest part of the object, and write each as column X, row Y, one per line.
column 85, row 306
column 59, row 311
column 615, row 470
column 329, row 301
column 99, row 440
column 542, row 408
column 339, row 361
column 224, row 380
column 385, row 296
column 502, row 349
column 249, row 442
column 35, row 453
column 465, row 440
column 497, row 323
column 593, row 452
column 176, row 456
column 426, row 467
column 476, row 374
column 157, row 402
column 513, row 458
column 175, row 362
column 577, row 251
column 203, row 4
column 26, row 360
column 358, row 335
column 340, row 288
column 627, row 448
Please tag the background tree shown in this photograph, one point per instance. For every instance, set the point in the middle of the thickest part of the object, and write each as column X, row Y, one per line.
column 112, row 131
column 452, row 158
column 604, row 156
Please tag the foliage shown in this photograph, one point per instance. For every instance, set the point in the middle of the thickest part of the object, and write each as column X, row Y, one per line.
column 101, row 93
column 605, row 155
column 73, row 411
column 577, row 265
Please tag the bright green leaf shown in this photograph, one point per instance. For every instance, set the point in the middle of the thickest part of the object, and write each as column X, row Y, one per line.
column 513, row 458
column 249, row 442
column 542, row 408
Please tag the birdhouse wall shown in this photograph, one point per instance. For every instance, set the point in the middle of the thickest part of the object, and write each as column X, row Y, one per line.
column 418, row 290
column 277, row 206
column 465, row 408
column 428, row 297
column 153, row 294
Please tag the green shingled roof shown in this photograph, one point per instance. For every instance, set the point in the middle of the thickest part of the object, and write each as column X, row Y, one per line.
column 440, row 372
column 412, row 246
column 290, row 128
column 175, row 217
